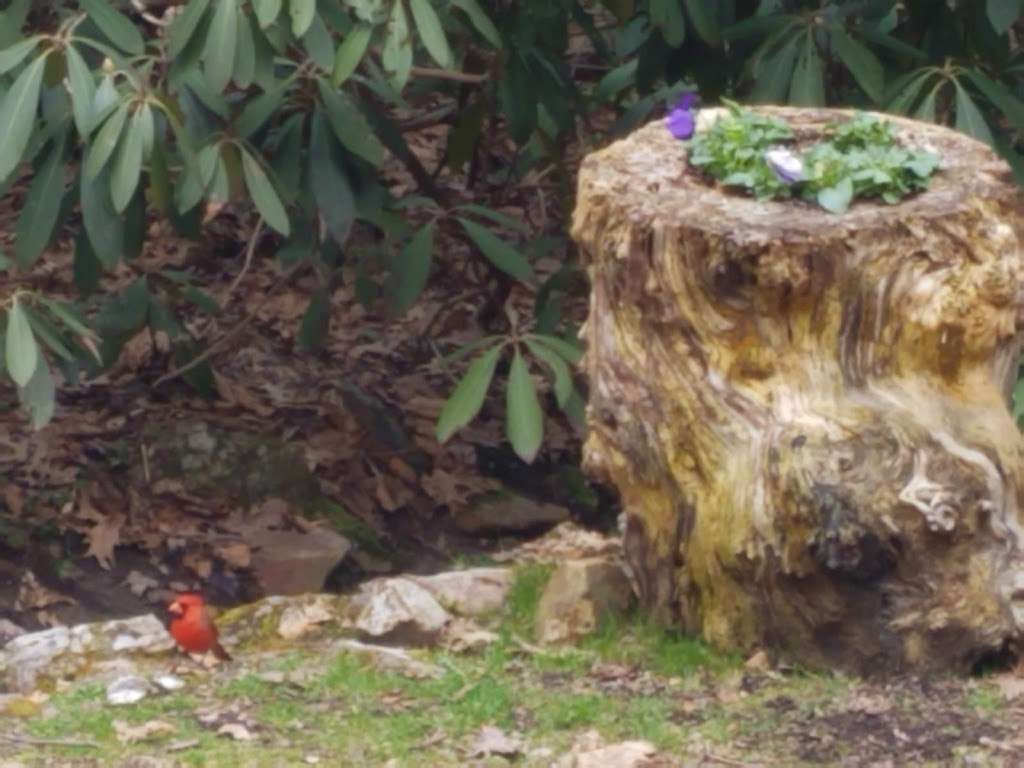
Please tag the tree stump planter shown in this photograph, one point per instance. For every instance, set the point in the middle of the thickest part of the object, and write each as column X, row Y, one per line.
column 806, row 414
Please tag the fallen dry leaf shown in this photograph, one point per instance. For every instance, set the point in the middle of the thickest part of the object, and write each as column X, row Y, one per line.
column 102, row 538
column 32, row 595
column 139, row 583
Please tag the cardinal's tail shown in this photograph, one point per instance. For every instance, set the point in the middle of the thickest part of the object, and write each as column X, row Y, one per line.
column 220, row 653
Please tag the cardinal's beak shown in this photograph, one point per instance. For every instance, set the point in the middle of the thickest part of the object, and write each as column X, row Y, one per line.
column 175, row 609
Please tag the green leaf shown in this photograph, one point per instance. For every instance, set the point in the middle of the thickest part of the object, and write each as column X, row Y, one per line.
column 524, row 420
column 18, row 115
column 397, row 54
column 571, row 353
column 38, row 396
column 480, row 21
column 498, row 252
column 267, row 11
column 105, row 227
column 257, row 111
column 115, row 26
column 907, row 90
column 837, row 199
column 219, row 55
column 969, row 118
column 468, row 398
column 245, row 53
column 13, row 55
column 124, row 177
column 413, row 269
column 497, row 217
column 21, row 352
column 926, row 109
column 184, row 26
column 1000, row 96
column 319, row 44
column 808, row 87
column 41, row 208
column 302, row 13
column 264, row 195
column 775, row 73
column 329, row 182
column 48, row 334
column 105, row 142
column 862, row 63
column 704, row 15
column 83, row 90
column 350, row 53
column 287, row 158
column 559, row 370
column 316, row 323
column 1003, row 13
column 87, row 268
column 70, row 318
column 431, row 32
column 667, row 15
column 350, row 126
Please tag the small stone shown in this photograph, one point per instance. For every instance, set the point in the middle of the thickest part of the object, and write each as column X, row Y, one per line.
column 471, row 592
column 311, row 759
column 169, row 682
column 579, row 595
column 127, row 690
column 399, row 611
column 294, row 563
column 300, row 619
column 759, row 662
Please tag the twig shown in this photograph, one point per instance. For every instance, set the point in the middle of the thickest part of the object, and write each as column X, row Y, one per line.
column 230, row 335
column 429, row 119
column 15, row 738
column 722, row 760
column 448, row 74
column 250, row 249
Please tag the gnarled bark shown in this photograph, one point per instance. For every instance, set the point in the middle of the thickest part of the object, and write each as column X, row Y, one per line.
column 806, row 414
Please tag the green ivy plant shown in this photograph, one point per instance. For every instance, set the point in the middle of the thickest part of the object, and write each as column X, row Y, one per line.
column 860, row 159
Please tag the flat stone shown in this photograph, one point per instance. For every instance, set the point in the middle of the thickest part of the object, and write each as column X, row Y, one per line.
column 506, row 512
column 580, row 594
column 399, row 611
column 470, row 592
column 127, row 690
column 294, row 563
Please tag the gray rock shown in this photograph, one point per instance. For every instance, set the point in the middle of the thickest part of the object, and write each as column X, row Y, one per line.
column 293, row 563
column 9, row 630
column 470, row 592
column 127, row 690
column 61, row 649
column 580, row 594
column 398, row 611
column 506, row 512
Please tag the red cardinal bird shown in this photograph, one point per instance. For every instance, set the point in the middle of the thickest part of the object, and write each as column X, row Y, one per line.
column 192, row 627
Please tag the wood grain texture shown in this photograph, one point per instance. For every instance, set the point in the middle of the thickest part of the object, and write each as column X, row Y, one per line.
column 806, row 414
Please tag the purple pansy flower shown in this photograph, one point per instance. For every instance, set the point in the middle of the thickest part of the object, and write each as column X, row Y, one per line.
column 788, row 168
column 681, row 120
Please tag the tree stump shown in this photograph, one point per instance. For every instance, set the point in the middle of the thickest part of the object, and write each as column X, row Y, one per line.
column 806, row 415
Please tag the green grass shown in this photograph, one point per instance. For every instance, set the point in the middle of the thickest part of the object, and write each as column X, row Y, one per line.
column 356, row 715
